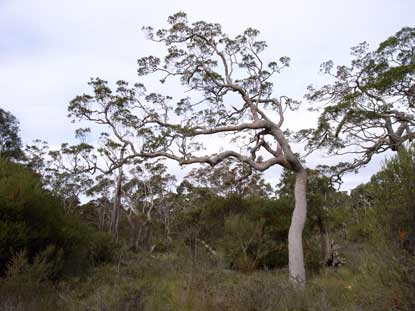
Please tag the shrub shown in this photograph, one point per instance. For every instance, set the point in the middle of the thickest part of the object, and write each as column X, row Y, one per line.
column 33, row 220
column 250, row 232
column 26, row 286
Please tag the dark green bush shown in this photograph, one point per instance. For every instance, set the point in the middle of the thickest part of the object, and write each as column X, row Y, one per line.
column 257, row 236
column 251, row 232
column 32, row 220
column 392, row 193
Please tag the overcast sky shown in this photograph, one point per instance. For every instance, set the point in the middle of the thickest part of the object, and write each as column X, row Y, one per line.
column 50, row 48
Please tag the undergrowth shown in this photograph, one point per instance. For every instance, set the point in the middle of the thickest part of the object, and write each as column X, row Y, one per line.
column 373, row 279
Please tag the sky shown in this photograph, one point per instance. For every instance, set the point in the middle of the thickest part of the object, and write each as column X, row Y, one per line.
column 49, row 49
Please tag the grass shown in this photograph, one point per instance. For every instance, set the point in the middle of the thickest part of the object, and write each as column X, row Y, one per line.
column 371, row 280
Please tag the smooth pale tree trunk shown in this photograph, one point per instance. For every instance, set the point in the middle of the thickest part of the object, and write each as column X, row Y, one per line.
column 115, row 216
column 116, row 208
column 295, row 234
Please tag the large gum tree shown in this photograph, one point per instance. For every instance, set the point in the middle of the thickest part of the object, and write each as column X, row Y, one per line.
column 229, row 97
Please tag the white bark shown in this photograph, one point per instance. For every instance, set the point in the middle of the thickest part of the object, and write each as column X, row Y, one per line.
column 115, row 216
column 116, row 209
column 295, row 234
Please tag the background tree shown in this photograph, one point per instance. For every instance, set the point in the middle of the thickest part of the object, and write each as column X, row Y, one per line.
column 114, row 113
column 10, row 142
column 229, row 177
column 67, row 172
column 370, row 106
column 70, row 172
column 148, row 197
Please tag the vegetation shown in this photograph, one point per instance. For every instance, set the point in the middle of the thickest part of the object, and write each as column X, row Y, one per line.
column 369, row 107
column 33, row 223
column 104, row 226
column 10, row 142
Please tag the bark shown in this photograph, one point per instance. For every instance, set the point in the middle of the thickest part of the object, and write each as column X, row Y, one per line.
column 115, row 216
column 140, row 231
column 147, row 235
column 101, row 218
column 116, row 208
column 325, row 247
column 295, row 234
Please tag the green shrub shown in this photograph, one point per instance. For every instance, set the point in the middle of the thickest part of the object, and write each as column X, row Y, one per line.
column 250, row 232
column 26, row 286
column 393, row 196
column 33, row 220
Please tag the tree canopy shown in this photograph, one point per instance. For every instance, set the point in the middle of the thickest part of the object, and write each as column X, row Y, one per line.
column 369, row 107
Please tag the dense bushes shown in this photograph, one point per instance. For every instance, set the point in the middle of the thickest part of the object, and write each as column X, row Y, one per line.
column 250, row 232
column 392, row 194
column 256, row 237
column 33, row 220
column 385, row 206
column 39, row 242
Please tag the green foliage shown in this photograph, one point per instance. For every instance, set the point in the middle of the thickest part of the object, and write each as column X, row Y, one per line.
column 26, row 285
column 391, row 195
column 369, row 106
column 251, row 232
column 33, row 220
column 10, row 142
column 374, row 280
column 257, row 236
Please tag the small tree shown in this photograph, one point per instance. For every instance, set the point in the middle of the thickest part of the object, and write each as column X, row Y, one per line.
column 370, row 106
column 65, row 171
column 10, row 142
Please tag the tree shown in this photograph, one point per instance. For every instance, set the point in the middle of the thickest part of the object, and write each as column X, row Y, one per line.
column 65, row 171
column 370, row 106
column 70, row 171
column 10, row 142
column 226, row 179
column 148, row 197
column 114, row 112
column 118, row 151
column 231, row 94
